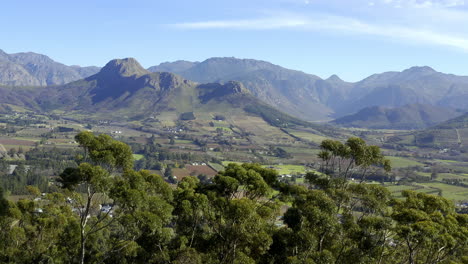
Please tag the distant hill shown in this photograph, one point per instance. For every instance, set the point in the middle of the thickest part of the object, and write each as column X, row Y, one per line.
column 414, row 116
column 32, row 69
column 460, row 122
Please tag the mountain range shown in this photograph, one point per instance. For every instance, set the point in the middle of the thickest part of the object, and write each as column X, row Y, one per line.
column 312, row 98
column 304, row 96
column 32, row 69
column 124, row 91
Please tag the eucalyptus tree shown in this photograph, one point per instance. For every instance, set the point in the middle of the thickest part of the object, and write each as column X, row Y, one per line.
column 428, row 230
column 104, row 159
column 230, row 220
column 351, row 159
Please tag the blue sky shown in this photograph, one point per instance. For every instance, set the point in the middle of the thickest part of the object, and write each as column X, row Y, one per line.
column 351, row 38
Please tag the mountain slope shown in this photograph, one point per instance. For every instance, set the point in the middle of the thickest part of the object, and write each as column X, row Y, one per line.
column 415, row 116
column 297, row 93
column 32, row 69
column 451, row 134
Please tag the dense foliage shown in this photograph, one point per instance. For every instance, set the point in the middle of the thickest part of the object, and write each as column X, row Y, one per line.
column 108, row 213
column 34, row 168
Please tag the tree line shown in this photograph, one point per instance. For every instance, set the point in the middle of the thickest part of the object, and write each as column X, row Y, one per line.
column 106, row 212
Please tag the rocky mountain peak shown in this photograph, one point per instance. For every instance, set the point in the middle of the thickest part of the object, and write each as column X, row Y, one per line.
column 124, row 67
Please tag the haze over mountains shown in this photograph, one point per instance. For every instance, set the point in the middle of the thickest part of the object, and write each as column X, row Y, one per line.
column 304, row 96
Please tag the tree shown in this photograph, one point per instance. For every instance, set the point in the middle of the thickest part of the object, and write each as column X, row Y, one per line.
column 105, row 155
column 313, row 221
column 229, row 220
column 144, row 214
column 428, row 229
column 255, row 180
column 352, row 159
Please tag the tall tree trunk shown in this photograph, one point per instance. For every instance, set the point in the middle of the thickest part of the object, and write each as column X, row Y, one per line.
column 84, row 221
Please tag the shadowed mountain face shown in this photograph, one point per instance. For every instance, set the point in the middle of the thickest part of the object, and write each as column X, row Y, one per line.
column 121, row 85
column 32, row 69
column 415, row 116
column 309, row 97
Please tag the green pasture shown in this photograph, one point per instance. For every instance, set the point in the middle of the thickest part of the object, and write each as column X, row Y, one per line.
column 401, row 162
column 287, row 169
column 451, row 192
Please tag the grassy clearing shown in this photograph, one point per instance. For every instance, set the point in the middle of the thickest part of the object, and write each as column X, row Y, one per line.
column 441, row 176
column 451, row 192
column 225, row 163
column 138, row 156
column 300, row 180
column 287, row 169
column 446, row 161
column 401, row 162
column 183, row 141
column 425, row 174
column 397, row 189
column 216, row 166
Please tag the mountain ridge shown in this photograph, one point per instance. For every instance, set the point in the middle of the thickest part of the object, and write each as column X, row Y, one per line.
column 305, row 96
column 33, row 69
column 312, row 98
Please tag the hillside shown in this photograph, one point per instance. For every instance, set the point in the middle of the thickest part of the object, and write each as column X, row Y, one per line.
column 32, row 69
column 415, row 116
column 451, row 134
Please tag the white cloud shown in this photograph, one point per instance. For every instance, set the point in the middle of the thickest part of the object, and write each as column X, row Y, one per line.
column 342, row 25
column 252, row 24
column 425, row 3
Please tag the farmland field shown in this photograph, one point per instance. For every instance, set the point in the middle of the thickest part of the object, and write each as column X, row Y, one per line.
column 287, row 169
column 400, row 162
column 451, row 192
